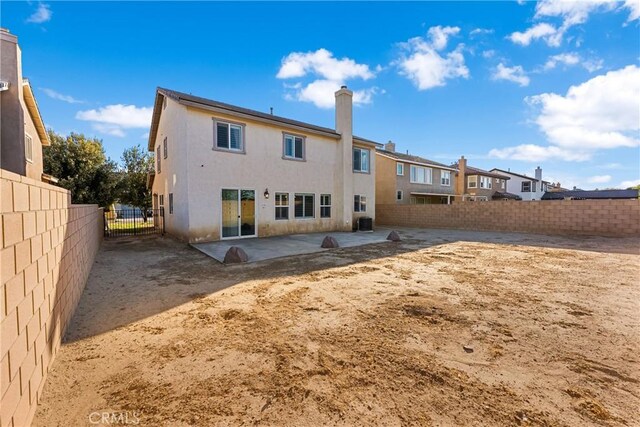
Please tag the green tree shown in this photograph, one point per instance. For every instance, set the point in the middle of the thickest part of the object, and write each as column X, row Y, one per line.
column 136, row 164
column 82, row 167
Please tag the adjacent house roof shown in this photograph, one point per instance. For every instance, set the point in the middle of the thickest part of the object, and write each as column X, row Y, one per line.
column 595, row 194
column 34, row 112
column 413, row 159
column 531, row 178
column 221, row 107
column 501, row 195
column 470, row 170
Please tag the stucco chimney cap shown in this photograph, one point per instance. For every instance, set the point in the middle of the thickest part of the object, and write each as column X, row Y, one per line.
column 343, row 87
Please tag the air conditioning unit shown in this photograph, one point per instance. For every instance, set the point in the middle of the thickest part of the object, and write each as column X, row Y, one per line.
column 4, row 86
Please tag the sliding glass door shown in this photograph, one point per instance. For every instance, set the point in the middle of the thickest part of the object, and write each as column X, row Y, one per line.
column 238, row 213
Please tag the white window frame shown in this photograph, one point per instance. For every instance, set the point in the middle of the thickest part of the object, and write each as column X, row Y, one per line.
column 413, row 175
column 229, row 125
column 361, row 151
column 282, row 206
column 159, row 160
column 359, row 203
column 485, row 182
column 325, row 205
column 522, row 187
column 304, row 196
column 503, row 183
column 164, row 148
column 446, row 174
column 401, row 194
column 472, row 181
column 28, row 147
column 399, row 169
column 293, row 137
column 161, row 201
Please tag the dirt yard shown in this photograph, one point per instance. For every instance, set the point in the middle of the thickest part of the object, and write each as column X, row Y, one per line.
column 445, row 328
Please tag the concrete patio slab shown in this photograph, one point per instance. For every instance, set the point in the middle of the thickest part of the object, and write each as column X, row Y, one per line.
column 264, row 248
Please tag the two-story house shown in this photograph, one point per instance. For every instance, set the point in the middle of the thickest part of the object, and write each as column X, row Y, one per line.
column 226, row 172
column 407, row 179
column 475, row 184
column 526, row 187
column 23, row 133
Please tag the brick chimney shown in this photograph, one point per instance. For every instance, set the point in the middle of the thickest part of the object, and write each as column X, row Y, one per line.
column 344, row 126
column 390, row 146
column 461, row 181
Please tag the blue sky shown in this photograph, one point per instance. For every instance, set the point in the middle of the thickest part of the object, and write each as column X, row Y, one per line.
column 507, row 84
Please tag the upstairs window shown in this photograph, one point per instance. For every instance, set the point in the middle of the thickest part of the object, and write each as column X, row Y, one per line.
column 485, row 182
column 28, row 147
column 171, row 203
column 359, row 203
column 164, row 147
column 526, row 186
column 282, row 205
column 445, row 178
column 229, row 136
column 472, row 181
column 420, row 175
column 325, row 206
column 360, row 160
column 503, row 183
column 400, row 169
column 158, row 161
column 304, row 207
column 293, row 147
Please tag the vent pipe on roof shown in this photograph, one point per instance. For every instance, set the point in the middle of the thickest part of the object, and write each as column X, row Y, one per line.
column 271, row 110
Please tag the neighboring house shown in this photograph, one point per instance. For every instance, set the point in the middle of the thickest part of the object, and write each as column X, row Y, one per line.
column 475, row 184
column 526, row 187
column 589, row 195
column 406, row 179
column 23, row 132
column 225, row 172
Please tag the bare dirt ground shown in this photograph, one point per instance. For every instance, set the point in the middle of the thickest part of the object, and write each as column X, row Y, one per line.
column 444, row 328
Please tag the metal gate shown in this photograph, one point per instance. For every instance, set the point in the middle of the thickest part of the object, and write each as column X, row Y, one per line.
column 133, row 222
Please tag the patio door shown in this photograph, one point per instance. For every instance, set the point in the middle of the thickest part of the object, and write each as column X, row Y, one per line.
column 238, row 213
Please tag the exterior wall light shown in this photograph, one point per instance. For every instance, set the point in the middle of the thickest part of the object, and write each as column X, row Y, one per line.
column 266, row 193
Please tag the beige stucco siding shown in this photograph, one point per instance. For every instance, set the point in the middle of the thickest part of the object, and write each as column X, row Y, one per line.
column 385, row 180
column 364, row 184
column 260, row 167
column 34, row 168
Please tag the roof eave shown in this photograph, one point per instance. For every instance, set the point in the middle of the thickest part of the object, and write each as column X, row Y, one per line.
column 34, row 112
column 155, row 120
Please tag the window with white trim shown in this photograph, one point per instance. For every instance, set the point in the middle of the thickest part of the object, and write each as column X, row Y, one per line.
column 420, row 175
column 445, row 178
column 526, row 187
column 325, row 206
column 228, row 136
column 158, row 161
column 161, row 201
column 359, row 203
column 293, row 147
column 304, row 206
column 485, row 182
column 503, row 183
column 400, row 169
column 171, row 203
column 472, row 181
column 282, row 205
column 399, row 195
column 360, row 160
column 164, row 147
column 28, row 147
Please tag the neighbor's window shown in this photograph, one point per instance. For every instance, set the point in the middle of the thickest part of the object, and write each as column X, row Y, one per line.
column 282, row 205
column 472, row 181
column 360, row 160
column 161, row 198
column 304, row 207
column 359, row 203
column 485, row 182
column 399, row 169
column 293, row 147
column 164, row 147
column 399, row 195
column 420, row 175
column 325, row 206
column 28, row 147
column 526, row 186
column 170, row 203
column 229, row 136
column 445, row 178
column 503, row 183
column 158, row 160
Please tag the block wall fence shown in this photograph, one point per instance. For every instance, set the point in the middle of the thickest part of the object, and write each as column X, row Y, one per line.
column 566, row 217
column 47, row 248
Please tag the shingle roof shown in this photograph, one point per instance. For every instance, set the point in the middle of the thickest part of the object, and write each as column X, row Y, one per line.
column 532, row 178
column 504, row 195
column 594, row 194
column 189, row 99
column 470, row 170
column 411, row 158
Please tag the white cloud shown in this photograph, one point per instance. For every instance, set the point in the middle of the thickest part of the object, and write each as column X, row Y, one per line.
column 113, row 119
column 599, row 179
column 539, row 31
column 57, row 95
column 423, row 64
column 570, row 59
column 599, row 114
column 634, row 9
column 514, row 74
column 593, row 65
column 611, row 166
column 41, row 15
column 631, row 183
column 487, row 54
column 330, row 73
column 480, row 32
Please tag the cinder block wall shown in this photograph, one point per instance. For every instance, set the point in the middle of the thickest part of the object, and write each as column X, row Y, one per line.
column 569, row 217
column 48, row 248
